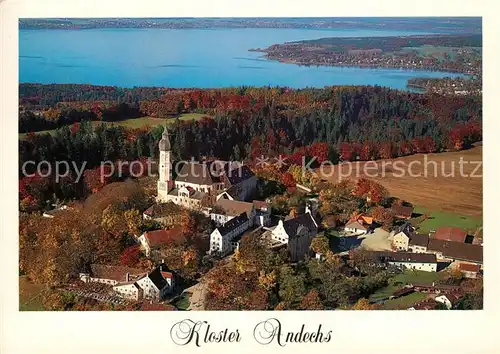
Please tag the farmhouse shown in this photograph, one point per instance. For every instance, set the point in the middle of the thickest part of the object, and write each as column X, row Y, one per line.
column 456, row 251
column 418, row 261
column 297, row 233
column 401, row 238
column 469, row 270
column 151, row 240
column 418, row 243
column 157, row 284
column 225, row 238
column 359, row 224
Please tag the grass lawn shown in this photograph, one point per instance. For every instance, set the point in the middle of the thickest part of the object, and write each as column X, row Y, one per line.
column 409, row 276
column 403, row 302
column 416, row 276
column 440, row 218
column 135, row 123
column 184, row 301
column 28, row 295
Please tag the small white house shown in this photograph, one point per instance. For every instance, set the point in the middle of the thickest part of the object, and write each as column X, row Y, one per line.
column 418, row 261
column 157, row 284
column 358, row 224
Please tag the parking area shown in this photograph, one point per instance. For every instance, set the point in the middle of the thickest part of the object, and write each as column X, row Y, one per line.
column 379, row 240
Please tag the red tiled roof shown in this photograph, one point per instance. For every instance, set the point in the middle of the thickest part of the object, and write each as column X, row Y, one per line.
column 450, row 233
column 166, row 275
column 467, row 267
column 164, row 237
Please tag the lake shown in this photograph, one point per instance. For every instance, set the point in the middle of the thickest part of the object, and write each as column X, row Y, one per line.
column 189, row 58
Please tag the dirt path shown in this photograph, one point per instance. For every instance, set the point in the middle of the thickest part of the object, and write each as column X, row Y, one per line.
column 197, row 300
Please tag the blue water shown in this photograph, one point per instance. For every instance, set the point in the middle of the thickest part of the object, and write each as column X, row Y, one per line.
column 188, row 58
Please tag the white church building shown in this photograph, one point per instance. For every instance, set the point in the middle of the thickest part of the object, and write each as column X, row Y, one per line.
column 200, row 183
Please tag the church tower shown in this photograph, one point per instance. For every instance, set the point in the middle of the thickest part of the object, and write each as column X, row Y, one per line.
column 165, row 167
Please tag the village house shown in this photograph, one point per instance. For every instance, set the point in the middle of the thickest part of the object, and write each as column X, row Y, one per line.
column 359, row 224
column 450, row 233
column 418, row 261
column 456, row 251
column 131, row 283
column 297, row 233
column 401, row 237
column 158, row 283
column 225, row 238
column 418, row 243
column 402, row 212
column 110, row 275
column 198, row 183
column 469, row 270
column 152, row 240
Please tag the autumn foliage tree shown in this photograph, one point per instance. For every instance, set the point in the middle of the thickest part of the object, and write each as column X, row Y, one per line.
column 372, row 191
column 363, row 304
column 130, row 256
column 383, row 216
column 229, row 289
column 311, row 301
column 320, row 245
